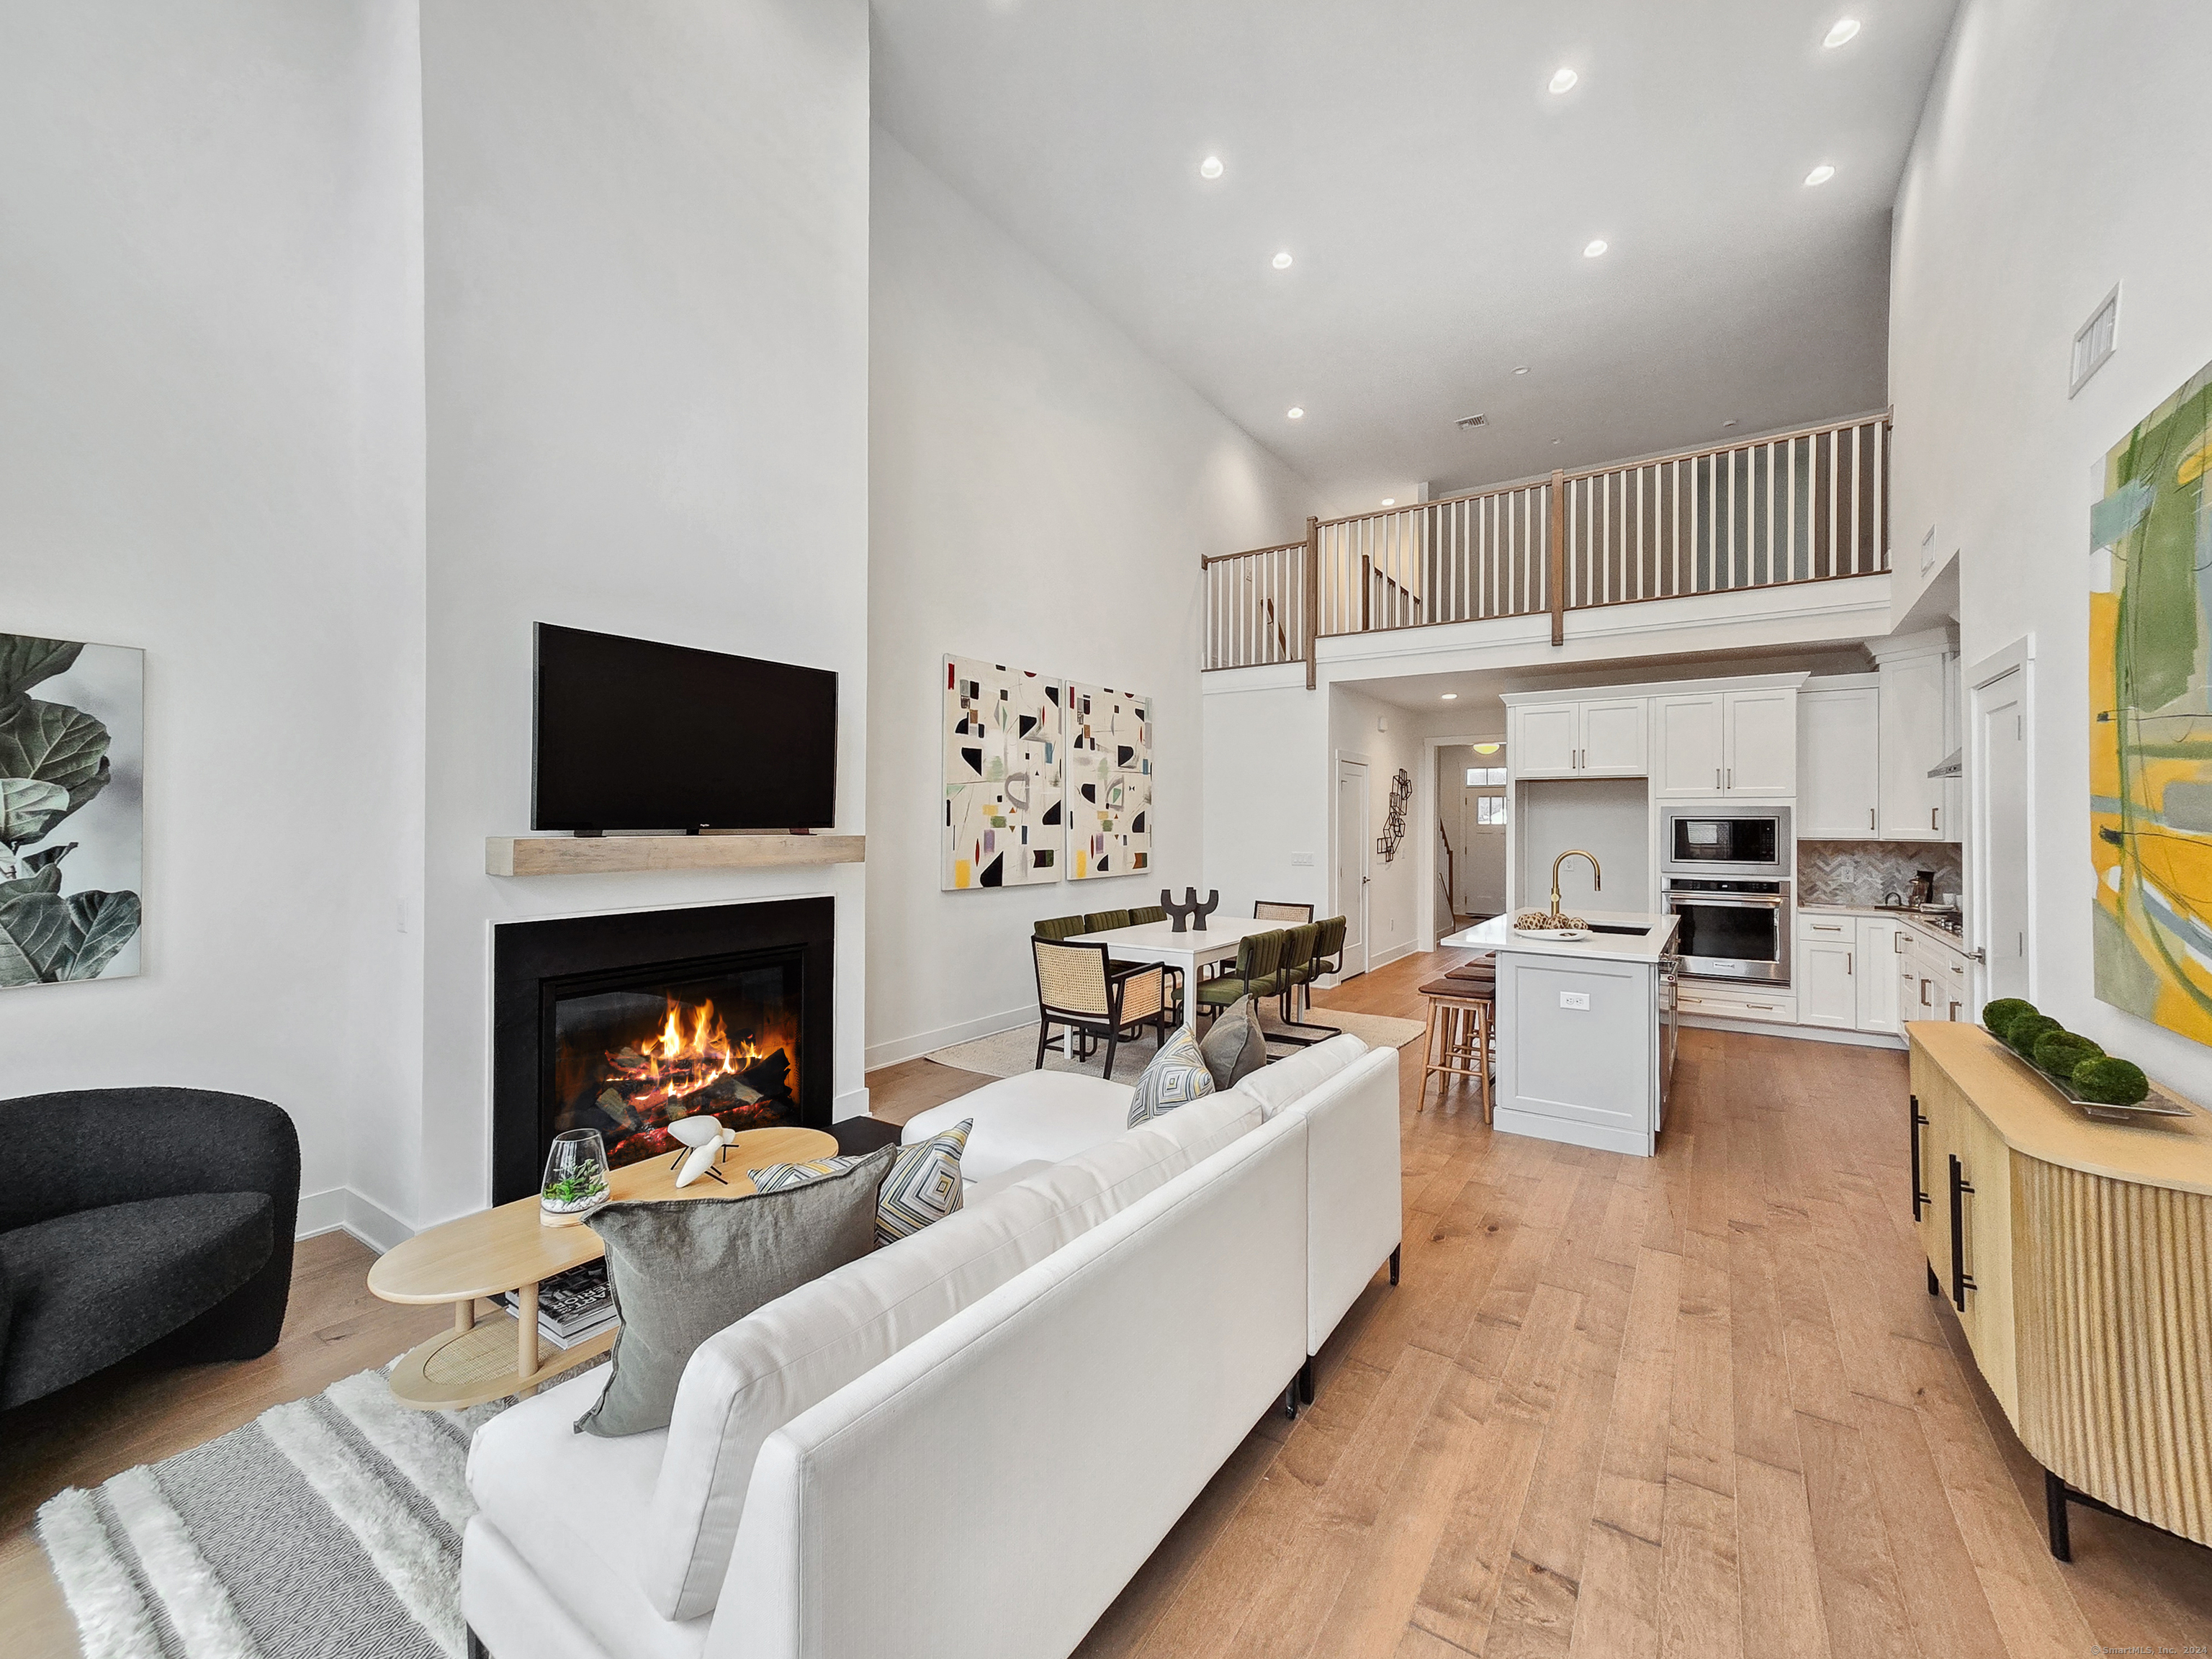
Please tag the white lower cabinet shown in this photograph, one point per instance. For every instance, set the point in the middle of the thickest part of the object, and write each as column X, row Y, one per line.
column 1878, row 982
column 1826, row 993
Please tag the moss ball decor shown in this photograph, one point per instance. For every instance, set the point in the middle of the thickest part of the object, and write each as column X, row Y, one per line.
column 1998, row 1016
column 2113, row 1082
column 2059, row 1052
column 2026, row 1031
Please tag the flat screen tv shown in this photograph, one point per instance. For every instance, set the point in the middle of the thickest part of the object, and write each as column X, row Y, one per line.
column 633, row 734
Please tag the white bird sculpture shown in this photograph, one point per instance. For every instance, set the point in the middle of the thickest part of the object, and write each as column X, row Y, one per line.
column 705, row 1137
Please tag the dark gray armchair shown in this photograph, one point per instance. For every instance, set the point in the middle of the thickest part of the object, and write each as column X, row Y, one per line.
column 140, row 1219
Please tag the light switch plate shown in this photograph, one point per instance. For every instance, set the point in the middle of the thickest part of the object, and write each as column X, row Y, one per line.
column 1302, row 861
column 1574, row 998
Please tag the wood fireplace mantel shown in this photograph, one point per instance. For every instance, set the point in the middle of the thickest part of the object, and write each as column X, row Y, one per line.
column 569, row 855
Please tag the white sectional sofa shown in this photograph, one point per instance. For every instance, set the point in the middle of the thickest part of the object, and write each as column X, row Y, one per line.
column 966, row 1443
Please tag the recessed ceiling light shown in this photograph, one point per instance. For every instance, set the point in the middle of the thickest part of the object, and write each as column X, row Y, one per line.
column 1390, row 500
column 1298, row 413
column 1844, row 29
column 1564, row 80
column 1820, row 174
column 1210, row 167
column 1451, row 697
column 1523, row 369
column 1596, row 246
column 1283, row 260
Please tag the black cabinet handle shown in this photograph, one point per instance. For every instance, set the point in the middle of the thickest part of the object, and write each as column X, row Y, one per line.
column 1919, row 1196
column 1960, row 1284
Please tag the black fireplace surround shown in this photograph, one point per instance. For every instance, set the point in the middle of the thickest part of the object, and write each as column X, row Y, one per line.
column 548, row 976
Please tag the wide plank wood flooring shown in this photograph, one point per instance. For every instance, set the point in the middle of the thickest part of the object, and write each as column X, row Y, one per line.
column 1698, row 1404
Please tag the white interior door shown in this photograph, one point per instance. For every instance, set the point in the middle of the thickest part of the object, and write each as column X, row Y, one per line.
column 2000, row 832
column 1352, row 842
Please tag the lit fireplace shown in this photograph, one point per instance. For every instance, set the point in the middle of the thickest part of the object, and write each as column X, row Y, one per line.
column 627, row 1062
column 622, row 1023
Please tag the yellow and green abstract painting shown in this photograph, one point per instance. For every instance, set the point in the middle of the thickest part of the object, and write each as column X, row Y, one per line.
column 2150, row 732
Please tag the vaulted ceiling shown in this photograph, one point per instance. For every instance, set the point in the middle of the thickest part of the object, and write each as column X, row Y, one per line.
column 1436, row 198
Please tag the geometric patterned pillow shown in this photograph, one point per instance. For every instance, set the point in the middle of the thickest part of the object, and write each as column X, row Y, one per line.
column 1177, row 1076
column 923, row 1185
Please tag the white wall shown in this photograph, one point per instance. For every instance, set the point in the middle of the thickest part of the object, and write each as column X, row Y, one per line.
column 647, row 234
column 1608, row 816
column 211, row 447
column 2061, row 151
column 1040, row 494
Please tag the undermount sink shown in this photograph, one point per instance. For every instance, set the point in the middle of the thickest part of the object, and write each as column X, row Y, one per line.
column 1616, row 927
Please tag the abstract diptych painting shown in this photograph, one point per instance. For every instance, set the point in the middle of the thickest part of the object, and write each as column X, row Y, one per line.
column 1002, row 758
column 1110, row 782
column 1042, row 778
column 2150, row 716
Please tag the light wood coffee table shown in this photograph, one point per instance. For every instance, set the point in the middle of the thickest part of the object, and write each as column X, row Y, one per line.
column 507, row 1248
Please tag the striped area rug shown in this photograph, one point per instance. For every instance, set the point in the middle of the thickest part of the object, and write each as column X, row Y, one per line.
column 328, row 1526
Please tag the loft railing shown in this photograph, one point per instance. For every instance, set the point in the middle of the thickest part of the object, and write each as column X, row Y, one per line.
column 1810, row 504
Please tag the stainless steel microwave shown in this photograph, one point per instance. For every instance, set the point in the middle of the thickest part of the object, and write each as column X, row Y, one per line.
column 1722, row 841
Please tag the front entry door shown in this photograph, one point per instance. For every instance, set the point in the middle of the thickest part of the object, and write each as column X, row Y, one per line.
column 1352, row 841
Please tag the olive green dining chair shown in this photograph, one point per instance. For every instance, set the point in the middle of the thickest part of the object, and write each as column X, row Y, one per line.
column 1259, row 959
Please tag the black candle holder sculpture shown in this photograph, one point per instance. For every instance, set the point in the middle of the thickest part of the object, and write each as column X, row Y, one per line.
column 1190, row 908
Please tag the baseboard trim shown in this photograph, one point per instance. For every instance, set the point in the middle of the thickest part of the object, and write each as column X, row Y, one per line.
column 1390, row 956
column 340, row 1209
column 1801, row 1033
column 854, row 1103
column 922, row 1043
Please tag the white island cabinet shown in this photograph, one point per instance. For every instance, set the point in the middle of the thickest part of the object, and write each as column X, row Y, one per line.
column 1585, row 1029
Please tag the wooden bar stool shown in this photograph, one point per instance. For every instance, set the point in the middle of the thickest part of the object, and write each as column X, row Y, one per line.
column 1460, row 1018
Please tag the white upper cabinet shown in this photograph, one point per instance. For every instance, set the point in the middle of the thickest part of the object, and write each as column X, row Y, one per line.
column 1689, row 742
column 1613, row 742
column 1914, row 739
column 1544, row 739
column 1762, row 743
column 1593, row 738
column 1840, row 763
column 1726, row 742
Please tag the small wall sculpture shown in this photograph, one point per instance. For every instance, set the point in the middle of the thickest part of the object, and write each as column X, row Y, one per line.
column 1393, row 821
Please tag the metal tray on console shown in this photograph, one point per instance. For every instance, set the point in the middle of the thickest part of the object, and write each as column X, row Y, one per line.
column 2156, row 1104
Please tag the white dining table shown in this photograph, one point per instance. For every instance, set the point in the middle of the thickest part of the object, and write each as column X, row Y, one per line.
column 1157, row 941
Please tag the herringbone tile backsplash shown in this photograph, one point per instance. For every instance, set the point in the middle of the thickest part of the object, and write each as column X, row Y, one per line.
column 1862, row 871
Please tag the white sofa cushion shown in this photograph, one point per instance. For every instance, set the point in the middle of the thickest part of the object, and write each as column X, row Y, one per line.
column 577, row 1507
column 745, row 1382
column 1278, row 1083
column 1044, row 1117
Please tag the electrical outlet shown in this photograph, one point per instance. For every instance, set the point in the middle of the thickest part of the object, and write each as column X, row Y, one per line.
column 1574, row 998
column 1302, row 861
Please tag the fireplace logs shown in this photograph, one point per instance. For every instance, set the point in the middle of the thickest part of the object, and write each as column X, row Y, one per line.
column 689, row 1065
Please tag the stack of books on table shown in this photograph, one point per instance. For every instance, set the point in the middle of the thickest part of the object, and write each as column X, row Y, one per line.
column 572, row 1306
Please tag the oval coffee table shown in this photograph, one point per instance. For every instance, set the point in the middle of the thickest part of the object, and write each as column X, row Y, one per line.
column 508, row 1248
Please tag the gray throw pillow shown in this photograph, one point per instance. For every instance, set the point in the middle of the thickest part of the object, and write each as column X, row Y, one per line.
column 1234, row 1046
column 682, row 1269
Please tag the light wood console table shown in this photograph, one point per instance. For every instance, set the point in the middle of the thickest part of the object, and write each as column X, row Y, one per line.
column 508, row 1248
column 2078, row 1254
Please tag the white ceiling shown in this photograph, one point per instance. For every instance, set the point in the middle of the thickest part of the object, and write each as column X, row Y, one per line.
column 1436, row 198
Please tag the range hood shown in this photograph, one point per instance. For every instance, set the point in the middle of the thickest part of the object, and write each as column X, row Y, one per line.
column 1951, row 766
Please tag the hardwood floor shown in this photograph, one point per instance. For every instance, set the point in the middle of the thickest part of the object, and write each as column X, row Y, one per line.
column 1694, row 1404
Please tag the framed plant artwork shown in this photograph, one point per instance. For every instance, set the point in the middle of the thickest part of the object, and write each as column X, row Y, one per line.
column 72, row 740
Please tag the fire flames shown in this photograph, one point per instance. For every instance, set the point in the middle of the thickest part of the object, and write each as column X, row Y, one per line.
column 679, row 1062
column 686, row 1064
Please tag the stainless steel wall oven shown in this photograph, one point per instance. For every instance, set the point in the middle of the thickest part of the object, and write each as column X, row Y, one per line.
column 1731, row 928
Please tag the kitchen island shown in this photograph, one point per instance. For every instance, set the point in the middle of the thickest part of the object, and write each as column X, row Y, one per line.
column 1585, row 1028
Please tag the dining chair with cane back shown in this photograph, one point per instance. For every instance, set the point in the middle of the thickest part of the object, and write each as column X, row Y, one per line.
column 1281, row 910
column 1104, row 922
column 1079, row 990
column 1259, row 958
